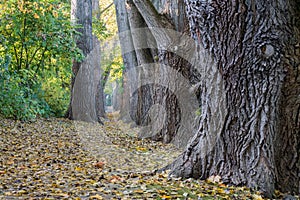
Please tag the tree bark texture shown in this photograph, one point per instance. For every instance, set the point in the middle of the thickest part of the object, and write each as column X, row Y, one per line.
column 153, row 104
column 129, row 59
column 83, row 97
column 249, row 128
column 99, row 87
column 142, row 98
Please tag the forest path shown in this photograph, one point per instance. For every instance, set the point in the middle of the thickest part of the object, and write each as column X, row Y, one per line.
column 62, row 159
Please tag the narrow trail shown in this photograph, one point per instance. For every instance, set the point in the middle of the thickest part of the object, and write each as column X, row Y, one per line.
column 62, row 159
column 117, row 144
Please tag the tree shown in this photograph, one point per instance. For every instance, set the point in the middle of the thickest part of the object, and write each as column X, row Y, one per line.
column 99, row 88
column 129, row 58
column 85, row 81
column 248, row 55
column 151, row 88
column 36, row 48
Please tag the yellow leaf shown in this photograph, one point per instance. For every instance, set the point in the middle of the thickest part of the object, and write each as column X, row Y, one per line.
column 161, row 192
column 55, row 14
column 36, row 16
column 221, row 191
column 166, row 197
column 97, row 196
column 141, row 149
column 257, row 197
column 78, row 169
column 138, row 191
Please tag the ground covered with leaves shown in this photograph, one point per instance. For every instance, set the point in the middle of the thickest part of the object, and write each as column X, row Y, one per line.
column 61, row 159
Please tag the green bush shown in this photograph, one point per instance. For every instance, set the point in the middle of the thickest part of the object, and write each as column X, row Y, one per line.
column 36, row 51
column 17, row 98
column 56, row 93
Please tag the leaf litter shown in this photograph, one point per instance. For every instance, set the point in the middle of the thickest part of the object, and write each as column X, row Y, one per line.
column 62, row 159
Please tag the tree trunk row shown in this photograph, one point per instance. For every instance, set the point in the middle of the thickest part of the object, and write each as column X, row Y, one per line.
column 239, row 68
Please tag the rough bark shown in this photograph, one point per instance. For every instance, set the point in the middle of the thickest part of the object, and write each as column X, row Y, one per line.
column 83, row 96
column 144, row 94
column 99, row 89
column 116, row 97
column 249, row 127
column 165, row 111
column 129, row 59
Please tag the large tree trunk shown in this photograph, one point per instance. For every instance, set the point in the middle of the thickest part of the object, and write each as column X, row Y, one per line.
column 249, row 128
column 159, row 99
column 129, row 59
column 99, row 87
column 142, row 95
column 83, row 96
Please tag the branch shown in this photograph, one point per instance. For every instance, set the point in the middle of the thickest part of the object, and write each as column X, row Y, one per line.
column 151, row 16
column 34, row 54
column 165, row 33
column 158, row 24
column 102, row 11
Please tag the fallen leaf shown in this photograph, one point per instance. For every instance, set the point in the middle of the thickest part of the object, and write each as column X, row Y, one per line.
column 257, row 197
column 97, row 196
column 214, row 179
column 166, row 197
column 99, row 165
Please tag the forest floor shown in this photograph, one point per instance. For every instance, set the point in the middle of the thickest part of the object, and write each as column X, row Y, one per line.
column 62, row 159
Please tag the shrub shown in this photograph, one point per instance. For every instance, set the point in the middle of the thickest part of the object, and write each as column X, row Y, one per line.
column 17, row 98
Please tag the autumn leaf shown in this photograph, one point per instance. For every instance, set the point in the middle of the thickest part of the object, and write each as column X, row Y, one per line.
column 36, row 16
column 78, row 168
column 55, row 14
column 33, row 165
column 214, row 179
column 257, row 197
column 166, row 197
column 97, row 197
column 99, row 165
column 141, row 149
column 114, row 179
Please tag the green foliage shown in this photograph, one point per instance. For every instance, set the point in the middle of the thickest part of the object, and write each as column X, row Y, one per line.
column 198, row 112
column 108, row 89
column 100, row 30
column 36, row 31
column 36, row 53
column 57, row 95
column 112, row 62
column 111, row 57
column 17, row 97
column 37, row 43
